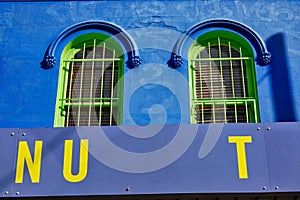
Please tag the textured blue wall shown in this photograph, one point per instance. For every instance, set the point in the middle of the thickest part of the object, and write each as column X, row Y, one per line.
column 28, row 92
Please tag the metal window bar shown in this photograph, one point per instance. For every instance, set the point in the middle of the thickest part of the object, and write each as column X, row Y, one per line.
column 102, row 81
column 91, row 82
column 200, row 78
column 92, row 60
column 224, row 111
column 219, row 74
column 221, row 59
column 225, row 115
column 221, row 68
column 81, row 80
column 210, row 70
column 87, row 97
column 231, row 69
column 198, row 72
column 69, row 89
column 65, row 69
column 242, row 69
column 247, row 114
column 112, row 90
column 235, row 114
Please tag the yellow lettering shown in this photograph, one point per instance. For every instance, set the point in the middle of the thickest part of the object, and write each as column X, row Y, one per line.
column 241, row 153
column 83, row 161
column 34, row 167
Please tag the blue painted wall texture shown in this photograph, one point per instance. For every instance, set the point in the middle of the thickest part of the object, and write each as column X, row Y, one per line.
column 153, row 92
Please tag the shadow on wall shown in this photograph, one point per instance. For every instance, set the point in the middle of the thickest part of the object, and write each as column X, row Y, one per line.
column 280, row 79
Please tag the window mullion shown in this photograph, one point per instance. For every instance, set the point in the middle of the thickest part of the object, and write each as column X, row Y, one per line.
column 243, row 76
column 95, row 60
column 223, row 59
column 112, row 89
column 202, row 112
column 200, row 78
column 102, row 81
column 255, row 111
column 63, row 94
column 81, row 83
column 69, row 93
column 231, row 70
column 91, row 82
column 221, row 68
column 214, row 111
column 247, row 114
column 235, row 112
column 210, row 71
column 194, row 81
column 225, row 109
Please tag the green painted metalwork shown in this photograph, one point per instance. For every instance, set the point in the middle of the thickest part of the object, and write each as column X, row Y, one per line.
column 223, row 80
column 89, row 89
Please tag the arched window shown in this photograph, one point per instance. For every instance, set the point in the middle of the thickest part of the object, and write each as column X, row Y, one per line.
column 91, row 56
column 223, row 81
column 89, row 91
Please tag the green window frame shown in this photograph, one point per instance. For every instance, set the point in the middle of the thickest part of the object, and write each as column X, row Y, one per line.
column 222, row 79
column 89, row 84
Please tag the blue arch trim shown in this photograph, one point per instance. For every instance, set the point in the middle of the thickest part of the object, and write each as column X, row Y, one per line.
column 263, row 55
column 133, row 61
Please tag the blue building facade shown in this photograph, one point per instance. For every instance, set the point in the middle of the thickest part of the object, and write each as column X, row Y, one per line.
column 28, row 28
column 161, row 145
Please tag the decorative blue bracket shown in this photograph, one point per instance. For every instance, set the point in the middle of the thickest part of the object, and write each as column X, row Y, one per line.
column 134, row 59
column 263, row 55
column 175, row 61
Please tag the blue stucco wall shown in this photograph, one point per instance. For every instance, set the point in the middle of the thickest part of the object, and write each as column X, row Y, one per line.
column 28, row 92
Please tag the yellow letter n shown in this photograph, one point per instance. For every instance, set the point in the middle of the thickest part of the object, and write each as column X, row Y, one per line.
column 241, row 153
column 34, row 166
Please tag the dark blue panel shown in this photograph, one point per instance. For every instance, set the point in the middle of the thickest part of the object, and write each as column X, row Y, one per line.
column 283, row 149
column 157, row 159
column 51, row 180
column 8, row 141
column 161, row 159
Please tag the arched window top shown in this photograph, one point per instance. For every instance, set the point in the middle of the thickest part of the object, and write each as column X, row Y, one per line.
column 92, row 39
column 218, row 37
column 263, row 56
column 130, row 48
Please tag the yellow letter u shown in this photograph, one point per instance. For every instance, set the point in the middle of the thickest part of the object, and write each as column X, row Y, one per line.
column 83, row 161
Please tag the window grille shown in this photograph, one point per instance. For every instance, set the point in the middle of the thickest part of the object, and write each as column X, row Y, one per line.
column 222, row 89
column 90, row 89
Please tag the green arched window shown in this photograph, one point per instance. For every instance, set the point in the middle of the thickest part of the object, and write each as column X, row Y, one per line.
column 223, row 80
column 89, row 92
